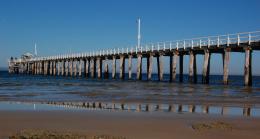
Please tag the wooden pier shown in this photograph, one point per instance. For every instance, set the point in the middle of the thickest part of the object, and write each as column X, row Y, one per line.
column 96, row 64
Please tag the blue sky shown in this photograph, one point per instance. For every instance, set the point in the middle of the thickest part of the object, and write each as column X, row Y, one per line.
column 58, row 26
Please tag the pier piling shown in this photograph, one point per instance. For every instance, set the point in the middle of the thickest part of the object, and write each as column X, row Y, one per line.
column 130, row 66
column 206, row 67
column 139, row 67
column 160, row 66
column 150, row 66
column 226, row 65
column 106, row 71
column 114, row 67
column 122, row 67
column 248, row 67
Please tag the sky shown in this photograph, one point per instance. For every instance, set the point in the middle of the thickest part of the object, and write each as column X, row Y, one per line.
column 62, row 26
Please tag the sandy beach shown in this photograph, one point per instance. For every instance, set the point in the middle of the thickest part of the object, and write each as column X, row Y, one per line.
column 133, row 125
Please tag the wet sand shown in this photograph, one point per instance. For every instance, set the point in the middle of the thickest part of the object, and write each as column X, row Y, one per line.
column 133, row 125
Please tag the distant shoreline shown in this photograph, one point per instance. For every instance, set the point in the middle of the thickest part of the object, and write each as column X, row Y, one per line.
column 3, row 69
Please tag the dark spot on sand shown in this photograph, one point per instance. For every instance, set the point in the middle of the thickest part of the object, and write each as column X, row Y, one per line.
column 213, row 125
column 45, row 134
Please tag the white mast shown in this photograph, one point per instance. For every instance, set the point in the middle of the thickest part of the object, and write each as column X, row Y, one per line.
column 139, row 33
column 35, row 49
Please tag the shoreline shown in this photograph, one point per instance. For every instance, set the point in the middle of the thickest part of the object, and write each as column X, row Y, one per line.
column 132, row 125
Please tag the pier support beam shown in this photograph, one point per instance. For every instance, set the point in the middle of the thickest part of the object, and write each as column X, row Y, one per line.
column 45, row 68
column 206, row 67
column 58, row 68
column 63, row 67
column 173, row 65
column 86, row 65
column 114, row 67
column 226, row 59
column 36, row 68
column 40, row 67
column 139, row 67
column 80, row 67
column 48, row 67
column 93, row 67
column 181, row 68
column 122, row 67
column 54, row 68
column 32, row 68
column 106, row 75
column 75, row 67
column 26, row 68
column 130, row 66
column 66, row 68
column 160, row 66
column 192, row 68
column 99, row 67
column 248, row 66
column 150, row 66
column 51, row 66
column 71, row 67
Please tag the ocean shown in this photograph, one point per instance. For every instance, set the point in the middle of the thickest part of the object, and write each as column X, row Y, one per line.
column 49, row 90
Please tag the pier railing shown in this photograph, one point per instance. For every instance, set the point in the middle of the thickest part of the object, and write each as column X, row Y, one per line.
column 209, row 41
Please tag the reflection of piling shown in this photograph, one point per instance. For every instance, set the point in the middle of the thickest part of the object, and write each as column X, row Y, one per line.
column 147, row 107
column 138, row 108
column 192, row 108
column 157, row 107
column 171, row 108
column 100, row 105
column 94, row 105
column 179, row 108
column 205, row 109
column 113, row 106
column 246, row 111
column 122, row 106
column 129, row 107
column 224, row 110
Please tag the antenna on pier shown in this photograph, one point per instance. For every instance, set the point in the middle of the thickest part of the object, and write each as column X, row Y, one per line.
column 35, row 49
column 139, row 33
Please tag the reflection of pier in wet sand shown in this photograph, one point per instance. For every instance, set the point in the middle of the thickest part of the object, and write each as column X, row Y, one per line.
column 245, row 110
